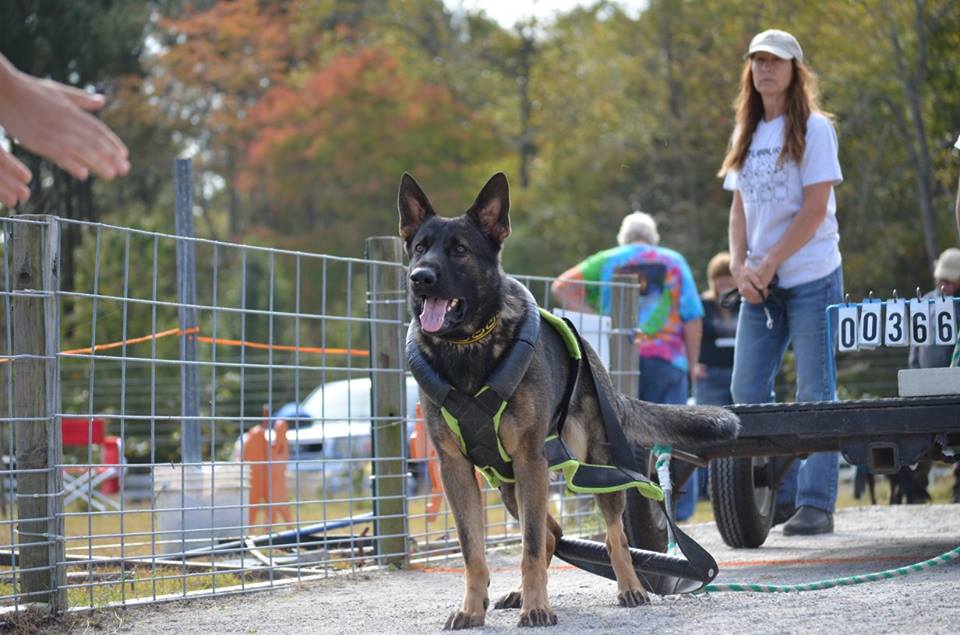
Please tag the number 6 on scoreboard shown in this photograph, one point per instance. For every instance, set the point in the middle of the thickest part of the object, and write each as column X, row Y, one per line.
column 895, row 323
column 944, row 325
column 920, row 323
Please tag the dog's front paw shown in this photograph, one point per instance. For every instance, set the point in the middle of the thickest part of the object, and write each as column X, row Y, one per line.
column 512, row 600
column 633, row 597
column 459, row 620
column 537, row 617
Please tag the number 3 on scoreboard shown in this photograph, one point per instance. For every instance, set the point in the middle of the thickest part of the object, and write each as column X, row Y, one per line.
column 895, row 330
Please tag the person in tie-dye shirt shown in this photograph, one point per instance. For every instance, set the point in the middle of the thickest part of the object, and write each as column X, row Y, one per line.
column 670, row 323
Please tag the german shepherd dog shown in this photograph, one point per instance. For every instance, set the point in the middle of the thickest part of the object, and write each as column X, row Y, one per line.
column 456, row 288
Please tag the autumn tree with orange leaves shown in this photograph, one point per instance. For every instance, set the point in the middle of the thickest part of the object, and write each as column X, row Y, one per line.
column 310, row 121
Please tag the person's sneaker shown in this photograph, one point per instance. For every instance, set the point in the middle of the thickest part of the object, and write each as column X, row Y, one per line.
column 782, row 513
column 809, row 521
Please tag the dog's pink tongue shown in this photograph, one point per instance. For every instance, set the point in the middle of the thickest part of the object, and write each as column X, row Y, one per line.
column 431, row 317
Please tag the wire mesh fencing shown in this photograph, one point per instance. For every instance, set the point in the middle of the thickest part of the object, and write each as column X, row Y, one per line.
column 259, row 427
column 297, row 458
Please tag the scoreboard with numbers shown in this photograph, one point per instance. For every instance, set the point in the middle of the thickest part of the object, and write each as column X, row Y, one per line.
column 898, row 322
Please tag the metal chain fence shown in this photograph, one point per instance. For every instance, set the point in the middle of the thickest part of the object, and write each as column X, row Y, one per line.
column 181, row 417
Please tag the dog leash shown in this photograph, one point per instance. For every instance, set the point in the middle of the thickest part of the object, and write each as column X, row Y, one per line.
column 887, row 574
column 662, row 574
column 731, row 298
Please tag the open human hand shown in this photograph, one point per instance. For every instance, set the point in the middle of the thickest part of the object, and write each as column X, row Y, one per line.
column 14, row 177
column 53, row 120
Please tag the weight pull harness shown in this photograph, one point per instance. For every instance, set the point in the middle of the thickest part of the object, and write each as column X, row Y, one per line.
column 475, row 421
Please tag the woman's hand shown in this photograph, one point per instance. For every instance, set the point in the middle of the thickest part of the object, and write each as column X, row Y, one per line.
column 748, row 283
column 764, row 274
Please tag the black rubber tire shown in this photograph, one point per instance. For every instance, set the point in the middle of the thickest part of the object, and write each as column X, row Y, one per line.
column 643, row 521
column 743, row 505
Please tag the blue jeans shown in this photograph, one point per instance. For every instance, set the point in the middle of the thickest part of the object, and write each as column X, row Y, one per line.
column 662, row 382
column 799, row 320
column 714, row 389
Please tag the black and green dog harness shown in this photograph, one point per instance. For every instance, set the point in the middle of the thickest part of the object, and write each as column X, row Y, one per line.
column 475, row 419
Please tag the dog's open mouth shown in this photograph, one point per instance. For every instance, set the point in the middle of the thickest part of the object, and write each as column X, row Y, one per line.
column 440, row 312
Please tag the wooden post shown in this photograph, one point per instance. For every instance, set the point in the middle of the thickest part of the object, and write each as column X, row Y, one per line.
column 387, row 310
column 624, row 363
column 36, row 393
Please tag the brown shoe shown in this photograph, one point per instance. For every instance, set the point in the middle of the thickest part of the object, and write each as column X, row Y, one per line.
column 809, row 521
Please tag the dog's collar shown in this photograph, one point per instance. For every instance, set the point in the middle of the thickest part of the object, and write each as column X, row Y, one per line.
column 509, row 370
column 482, row 333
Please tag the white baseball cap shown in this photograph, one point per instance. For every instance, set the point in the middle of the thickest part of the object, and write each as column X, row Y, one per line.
column 780, row 43
column 948, row 265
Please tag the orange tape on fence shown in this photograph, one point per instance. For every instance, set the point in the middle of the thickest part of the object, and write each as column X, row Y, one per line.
column 135, row 340
column 284, row 347
column 358, row 352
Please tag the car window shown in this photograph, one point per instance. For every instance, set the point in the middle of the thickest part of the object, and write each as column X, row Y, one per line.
column 350, row 399
column 340, row 400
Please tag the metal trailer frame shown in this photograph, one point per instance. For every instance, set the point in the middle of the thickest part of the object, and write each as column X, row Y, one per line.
column 882, row 435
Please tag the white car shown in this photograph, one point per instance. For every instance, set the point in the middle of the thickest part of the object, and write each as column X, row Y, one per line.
column 330, row 430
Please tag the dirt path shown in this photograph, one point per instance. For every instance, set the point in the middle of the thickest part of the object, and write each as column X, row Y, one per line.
column 866, row 539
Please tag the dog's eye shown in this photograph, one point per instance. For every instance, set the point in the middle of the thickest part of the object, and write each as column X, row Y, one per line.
column 419, row 248
column 460, row 250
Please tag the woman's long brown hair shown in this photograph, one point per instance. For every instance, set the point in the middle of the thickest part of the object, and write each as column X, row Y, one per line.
column 801, row 101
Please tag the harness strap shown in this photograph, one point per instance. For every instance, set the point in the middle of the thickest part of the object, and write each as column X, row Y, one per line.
column 616, row 440
column 477, row 419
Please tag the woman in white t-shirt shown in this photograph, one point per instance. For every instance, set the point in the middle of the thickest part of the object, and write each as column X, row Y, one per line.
column 782, row 167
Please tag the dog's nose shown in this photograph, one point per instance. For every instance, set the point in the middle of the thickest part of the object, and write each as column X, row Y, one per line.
column 423, row 276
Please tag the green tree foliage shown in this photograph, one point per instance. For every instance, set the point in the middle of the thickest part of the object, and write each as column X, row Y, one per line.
column 301, row 116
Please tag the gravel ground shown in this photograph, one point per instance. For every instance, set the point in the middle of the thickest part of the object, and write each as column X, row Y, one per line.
column 412, row 601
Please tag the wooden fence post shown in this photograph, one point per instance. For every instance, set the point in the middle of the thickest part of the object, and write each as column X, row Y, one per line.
column 36, row 392
column 387, row 310
column 624, row 363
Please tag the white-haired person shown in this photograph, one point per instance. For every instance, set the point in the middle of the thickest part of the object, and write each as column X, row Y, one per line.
column 782, row 166
column 670, row 324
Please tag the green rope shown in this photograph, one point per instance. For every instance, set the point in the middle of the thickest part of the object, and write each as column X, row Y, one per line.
column 944, row 558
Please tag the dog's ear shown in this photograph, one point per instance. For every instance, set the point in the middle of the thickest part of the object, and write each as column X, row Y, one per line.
column 414, row 207
column 491, row 209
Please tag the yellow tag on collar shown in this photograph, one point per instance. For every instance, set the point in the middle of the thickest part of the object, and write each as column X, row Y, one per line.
column 482, row 333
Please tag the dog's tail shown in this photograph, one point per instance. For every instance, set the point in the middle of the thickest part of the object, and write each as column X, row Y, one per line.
column 647, row 423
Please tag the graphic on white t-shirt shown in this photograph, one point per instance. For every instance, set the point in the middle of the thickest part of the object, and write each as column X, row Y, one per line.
column 763, row 178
